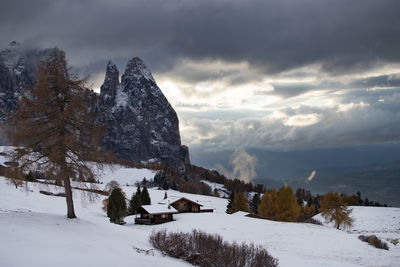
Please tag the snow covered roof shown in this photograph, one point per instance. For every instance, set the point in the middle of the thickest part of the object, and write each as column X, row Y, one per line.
column 159, row 209
column 173, row 199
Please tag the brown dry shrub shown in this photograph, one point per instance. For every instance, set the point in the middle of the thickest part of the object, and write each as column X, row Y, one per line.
column 105, row 204
column 202, row 249
column 373, row 240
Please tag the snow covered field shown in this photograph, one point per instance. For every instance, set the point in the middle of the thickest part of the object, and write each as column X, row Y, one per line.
column 34, row 231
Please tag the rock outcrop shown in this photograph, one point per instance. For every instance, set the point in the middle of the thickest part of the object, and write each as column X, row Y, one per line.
column 143, row 126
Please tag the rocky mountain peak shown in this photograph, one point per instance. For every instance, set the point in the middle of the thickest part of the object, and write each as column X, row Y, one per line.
column 143, row 126
column 137, row 69
column 111, row 81
column 111, row 69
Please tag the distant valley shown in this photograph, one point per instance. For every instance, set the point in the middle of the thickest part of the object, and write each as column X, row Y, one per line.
column 372, row 170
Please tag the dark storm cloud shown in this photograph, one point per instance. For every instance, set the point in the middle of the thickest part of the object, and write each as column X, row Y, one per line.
column 288, row 90
column 358, row 120
column 251, row 40
column 272, row 35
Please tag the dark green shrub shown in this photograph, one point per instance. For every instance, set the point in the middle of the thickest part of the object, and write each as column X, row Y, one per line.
column 116, row 208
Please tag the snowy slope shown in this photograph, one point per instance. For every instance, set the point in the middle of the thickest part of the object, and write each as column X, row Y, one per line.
column 384, row 222
column 125, row 176
column 35, row 225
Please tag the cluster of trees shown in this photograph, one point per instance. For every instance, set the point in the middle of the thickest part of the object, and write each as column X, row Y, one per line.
column 171, row 177
column 305, row 196
column 279, row 206
column 141, row 197
column 284, row 205
column 190, row 181
column 115, row 204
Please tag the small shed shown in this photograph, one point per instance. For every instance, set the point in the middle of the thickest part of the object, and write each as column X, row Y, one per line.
column 155, row 214
column 183, row 204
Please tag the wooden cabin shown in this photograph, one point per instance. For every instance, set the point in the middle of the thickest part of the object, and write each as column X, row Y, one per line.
column 155, row 214
column 183, row 204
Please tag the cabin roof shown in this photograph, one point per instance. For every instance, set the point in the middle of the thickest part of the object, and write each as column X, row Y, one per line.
column 159, row 209
column 171, row 200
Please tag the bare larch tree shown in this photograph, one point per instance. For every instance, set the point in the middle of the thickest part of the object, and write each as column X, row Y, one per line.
column 52, row 129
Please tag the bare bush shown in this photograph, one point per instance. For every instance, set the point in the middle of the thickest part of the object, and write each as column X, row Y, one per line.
column 112, row 185
column 373, row 240
column 202, row 249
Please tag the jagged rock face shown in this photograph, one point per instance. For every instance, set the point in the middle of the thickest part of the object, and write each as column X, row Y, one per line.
column 142, row 125
column 17, row 71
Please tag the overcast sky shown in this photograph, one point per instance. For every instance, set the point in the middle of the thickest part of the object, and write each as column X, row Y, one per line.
column 284, row 74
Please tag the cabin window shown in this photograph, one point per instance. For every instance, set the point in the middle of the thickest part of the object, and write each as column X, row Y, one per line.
column 163, row 216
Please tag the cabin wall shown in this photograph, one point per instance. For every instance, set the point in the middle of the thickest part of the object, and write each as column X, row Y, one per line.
column 184, row 205
column 158, row 218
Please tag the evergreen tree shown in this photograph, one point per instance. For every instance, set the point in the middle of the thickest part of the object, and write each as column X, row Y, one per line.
column 267, row 207
column 334, row 209
column 116, row 208
column 255, row 201
column 287, row 207
column 240, row 203
column 165, row 195
column 230, row 203
column 145, row 197
column 134, row 204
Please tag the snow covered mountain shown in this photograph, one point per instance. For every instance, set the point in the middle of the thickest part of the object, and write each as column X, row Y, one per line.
column 142, row 125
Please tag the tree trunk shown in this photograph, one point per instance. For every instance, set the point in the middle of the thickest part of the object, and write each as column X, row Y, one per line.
column 68, row 197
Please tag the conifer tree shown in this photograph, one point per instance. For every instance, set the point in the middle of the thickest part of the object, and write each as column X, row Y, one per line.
column 52, row 129
column 267, row 207
column 334, row 209
column 116, row 208
column 230, row 203
column 287, row 207
column 255, row 201
column 134, row 204
column 240, row 203
column 145, row 197
column 165, row 195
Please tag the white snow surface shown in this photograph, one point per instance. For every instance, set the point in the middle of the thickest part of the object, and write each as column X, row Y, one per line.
column 121, row 99
column 159, row 208
column 222, row 191
column 34, row 231
column 125, row 176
